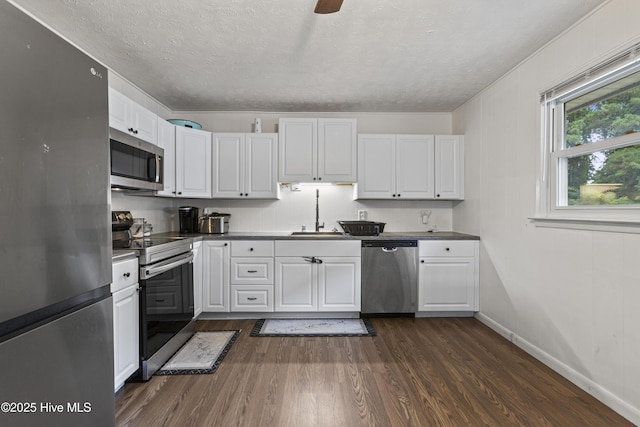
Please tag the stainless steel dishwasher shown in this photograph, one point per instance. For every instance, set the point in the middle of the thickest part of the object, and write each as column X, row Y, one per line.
column 389, row 277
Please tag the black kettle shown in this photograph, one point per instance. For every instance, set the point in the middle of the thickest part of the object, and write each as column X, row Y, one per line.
column 188, row 217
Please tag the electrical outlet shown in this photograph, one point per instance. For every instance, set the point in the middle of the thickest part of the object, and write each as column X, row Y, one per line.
column 362, row 215
column 425, row 214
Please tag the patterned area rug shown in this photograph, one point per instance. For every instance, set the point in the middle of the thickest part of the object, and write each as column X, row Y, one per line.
column 202, row 354
column 313, row 328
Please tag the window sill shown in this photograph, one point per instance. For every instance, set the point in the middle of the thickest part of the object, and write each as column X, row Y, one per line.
column 607, row 225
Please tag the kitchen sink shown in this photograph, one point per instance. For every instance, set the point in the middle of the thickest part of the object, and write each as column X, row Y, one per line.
column 317, row 233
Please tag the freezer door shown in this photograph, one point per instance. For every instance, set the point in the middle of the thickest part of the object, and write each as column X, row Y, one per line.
column 61, row 374
column 54, row 175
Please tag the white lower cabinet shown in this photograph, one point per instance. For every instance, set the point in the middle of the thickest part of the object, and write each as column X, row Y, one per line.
column 126, row 309
column 215, row 275
column 448, row 276
column 252, row 275
column 317, row 276
column 197, row 279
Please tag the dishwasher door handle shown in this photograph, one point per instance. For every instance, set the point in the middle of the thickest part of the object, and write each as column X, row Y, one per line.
column 389, row 249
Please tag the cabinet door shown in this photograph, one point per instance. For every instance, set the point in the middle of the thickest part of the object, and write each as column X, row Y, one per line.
column 228, row 165
column 447, row 284
column 132, row 118
column 167, row 141
column 337, row 150
column 144, row 123
column 193, row 163
column 449, row 167
column 126, row 342
column 297, row 148
column 296, row 285
column 197, row 279
column 215, row 276
column 414, row 167
column 119, row 111
column 376, row 166
column 261, row 161
column 339, row 284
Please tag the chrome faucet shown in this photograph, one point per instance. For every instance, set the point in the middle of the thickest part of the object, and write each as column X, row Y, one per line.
column 318, row 225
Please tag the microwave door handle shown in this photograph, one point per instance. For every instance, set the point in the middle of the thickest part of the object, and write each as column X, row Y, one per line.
column 157, row 168
column 152, row 168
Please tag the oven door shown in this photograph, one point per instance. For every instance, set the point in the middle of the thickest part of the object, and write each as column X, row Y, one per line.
column 166, row 302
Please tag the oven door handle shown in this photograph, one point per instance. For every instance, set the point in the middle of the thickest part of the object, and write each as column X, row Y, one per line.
column 150, row 271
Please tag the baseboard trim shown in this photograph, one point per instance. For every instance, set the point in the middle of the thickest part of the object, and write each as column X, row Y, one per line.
column 605, row 396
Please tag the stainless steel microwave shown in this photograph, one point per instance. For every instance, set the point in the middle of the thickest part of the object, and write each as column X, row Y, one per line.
column 135, row 164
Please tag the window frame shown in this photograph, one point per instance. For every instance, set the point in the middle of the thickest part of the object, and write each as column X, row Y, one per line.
column 552, row 179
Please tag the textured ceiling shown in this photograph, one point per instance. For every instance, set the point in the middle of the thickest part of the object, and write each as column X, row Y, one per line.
column 277, row 55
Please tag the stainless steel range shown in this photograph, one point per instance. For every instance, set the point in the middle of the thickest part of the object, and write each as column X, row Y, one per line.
column 166, row 292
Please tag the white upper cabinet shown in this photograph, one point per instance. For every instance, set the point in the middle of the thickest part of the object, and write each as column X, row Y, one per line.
column 130, row 117
column 337, row 153
column 414, row 167
column 312, row 150
column 193, row 163
column 395, row 166
column 449, row 167
column 167, row 141
column 409, row 167
column 376, row 166
column 245, row 165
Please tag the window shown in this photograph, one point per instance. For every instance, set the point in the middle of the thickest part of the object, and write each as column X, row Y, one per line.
column 591, row 158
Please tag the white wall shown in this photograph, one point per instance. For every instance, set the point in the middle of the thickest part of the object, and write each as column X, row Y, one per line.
column 569, row 297
column 293, row 210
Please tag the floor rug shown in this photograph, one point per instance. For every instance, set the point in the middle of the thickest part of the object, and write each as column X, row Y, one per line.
column 313, row 328
column 202, row 354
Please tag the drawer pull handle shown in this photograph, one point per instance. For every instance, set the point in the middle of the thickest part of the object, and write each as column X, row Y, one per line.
column 252, row 298
column 250, row 249
column 447, row 249
column 159, row 300
column 127, row 274
column 252, row 271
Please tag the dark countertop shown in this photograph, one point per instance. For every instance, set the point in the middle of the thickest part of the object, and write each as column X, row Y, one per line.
column 286, row 235
column 123, row 255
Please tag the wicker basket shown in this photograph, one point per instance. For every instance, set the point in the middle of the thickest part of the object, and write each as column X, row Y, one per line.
column 362, row 228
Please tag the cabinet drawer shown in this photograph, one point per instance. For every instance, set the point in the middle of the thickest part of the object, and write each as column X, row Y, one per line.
column 247, row 271
column 125, row 273
column 245, row 248
column 447, row 248
column 318, row 248
column 254, row 298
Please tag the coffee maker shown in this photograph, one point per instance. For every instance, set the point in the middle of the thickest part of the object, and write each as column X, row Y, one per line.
column 188, row 217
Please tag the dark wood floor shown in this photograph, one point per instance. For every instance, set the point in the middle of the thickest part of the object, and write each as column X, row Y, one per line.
column 416, row 372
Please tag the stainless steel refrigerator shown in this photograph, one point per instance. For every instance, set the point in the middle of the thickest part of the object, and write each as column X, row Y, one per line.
column 56, row 332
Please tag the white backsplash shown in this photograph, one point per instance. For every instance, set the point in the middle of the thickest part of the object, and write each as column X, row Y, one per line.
column 294, row 209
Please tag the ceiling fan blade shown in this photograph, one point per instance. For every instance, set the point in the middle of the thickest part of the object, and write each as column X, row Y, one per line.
column 328, row 6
